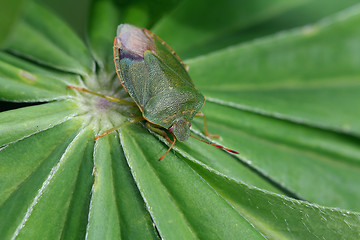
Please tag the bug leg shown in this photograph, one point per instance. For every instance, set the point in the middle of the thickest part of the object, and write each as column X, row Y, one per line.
column 108, row 97
column 171, row 146
column 200, row 114
column 156, row 129
column 138, row 119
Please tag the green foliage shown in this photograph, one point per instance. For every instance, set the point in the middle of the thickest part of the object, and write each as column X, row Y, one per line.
column 287, row 101
column 9, row 13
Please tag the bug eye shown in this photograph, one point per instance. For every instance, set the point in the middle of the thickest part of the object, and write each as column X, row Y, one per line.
column 189, row 123
column 171, row 129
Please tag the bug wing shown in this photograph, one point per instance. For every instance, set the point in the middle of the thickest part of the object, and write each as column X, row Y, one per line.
column 169, row 95
column 161, row 76
column 134, row 77
column 167, row 55
column 130, row 44
column 148, row 77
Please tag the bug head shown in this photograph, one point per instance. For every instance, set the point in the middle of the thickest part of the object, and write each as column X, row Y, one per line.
column 181, row 129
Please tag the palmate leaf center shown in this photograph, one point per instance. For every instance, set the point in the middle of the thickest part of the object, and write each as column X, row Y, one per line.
column 99, row 112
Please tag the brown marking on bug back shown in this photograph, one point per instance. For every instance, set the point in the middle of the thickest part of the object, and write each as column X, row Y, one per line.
column 166, row 120
column 189, row 111
column 133, row 40
column 185, row 112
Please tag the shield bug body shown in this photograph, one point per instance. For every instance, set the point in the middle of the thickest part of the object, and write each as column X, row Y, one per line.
column 156, row 79
column 158, row 82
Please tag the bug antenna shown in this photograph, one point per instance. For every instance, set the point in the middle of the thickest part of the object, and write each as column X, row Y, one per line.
column 171, row 146
column 215, row 145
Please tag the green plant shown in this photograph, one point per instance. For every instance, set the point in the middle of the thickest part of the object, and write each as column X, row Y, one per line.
column 288, row 102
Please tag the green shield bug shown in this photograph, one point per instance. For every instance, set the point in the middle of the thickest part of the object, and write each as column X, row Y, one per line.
column 157, row 80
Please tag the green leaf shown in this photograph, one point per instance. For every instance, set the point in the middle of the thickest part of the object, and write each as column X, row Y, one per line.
column 75, row 13
column 222, row 161
column 9, row 13
column 102, row 32
column 143, row 13
column 26, row 82
column 300, row 15
column 177, row 208
column 24, row 122
column 308, row 163
column 50, row 42
column 279, row 217
column 73, row 200
column 201, row 25
column 33, row 171
column 305, row 76
column 237, row 21
column 112, row 215
column 199, row 200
